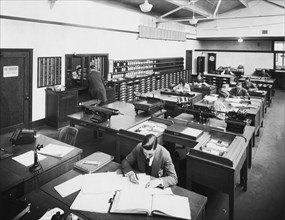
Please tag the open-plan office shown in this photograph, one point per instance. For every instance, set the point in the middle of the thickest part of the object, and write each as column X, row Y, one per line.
column 86, row 85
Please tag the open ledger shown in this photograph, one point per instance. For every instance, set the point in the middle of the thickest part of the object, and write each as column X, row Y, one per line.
column 126, row 201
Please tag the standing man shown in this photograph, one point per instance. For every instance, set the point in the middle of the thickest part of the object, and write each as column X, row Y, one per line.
column 96, row 84
column 153, row 159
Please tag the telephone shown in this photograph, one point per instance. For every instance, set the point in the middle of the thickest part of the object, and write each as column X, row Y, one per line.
column 23, row 136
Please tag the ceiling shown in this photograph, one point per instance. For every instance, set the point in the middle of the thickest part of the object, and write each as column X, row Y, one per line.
column 182, row 10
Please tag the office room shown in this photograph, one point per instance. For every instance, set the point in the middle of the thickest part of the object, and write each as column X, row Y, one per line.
column 142, row 109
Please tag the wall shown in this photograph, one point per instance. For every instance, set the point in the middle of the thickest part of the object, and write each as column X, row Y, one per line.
column 251, row 54
column 247, row 27
column 83, row 37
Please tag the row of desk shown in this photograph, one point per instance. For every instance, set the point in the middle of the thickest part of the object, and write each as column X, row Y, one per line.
column 204, row 171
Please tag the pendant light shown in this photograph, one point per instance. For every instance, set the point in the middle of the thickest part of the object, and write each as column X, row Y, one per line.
column 146, row 7
column 193, row 21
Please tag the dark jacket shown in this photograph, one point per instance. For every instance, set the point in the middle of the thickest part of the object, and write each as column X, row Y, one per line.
column 242, row 92
column 162, row 162
column 96, row 86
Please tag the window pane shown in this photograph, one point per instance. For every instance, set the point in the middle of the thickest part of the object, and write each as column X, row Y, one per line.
column 279, row 45
column 280, row 61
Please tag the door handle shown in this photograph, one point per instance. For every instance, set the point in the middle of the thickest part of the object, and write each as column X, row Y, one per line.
column 27, row 98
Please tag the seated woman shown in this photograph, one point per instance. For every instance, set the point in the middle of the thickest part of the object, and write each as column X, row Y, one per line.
column 248, row 85
column 219, row 106
column 199, row 78
column 239, row 91
column 227, row 71
column 264, row 73
column 182, row 87
column 223, row 91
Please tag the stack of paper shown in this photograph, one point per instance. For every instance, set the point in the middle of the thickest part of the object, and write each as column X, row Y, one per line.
column 27, row 159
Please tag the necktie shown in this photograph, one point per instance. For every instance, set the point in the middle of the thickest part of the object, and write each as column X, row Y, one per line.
column 147, row 167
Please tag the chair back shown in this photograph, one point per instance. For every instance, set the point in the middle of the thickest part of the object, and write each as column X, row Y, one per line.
column 68, row 135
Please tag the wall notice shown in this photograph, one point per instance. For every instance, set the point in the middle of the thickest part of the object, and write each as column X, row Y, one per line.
column 10, row 71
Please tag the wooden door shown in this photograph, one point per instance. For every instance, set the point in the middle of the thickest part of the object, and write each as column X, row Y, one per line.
column 15, row 89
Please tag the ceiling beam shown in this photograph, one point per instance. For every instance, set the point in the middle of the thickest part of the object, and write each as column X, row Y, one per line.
column 219, row 18
column 174, row 10
column 244, row 3
column 217, row 8
column 275, row 3
column 188, row 7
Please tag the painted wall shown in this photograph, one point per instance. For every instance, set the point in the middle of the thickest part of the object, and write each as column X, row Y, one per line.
column 249, row 55
column 57, row 40
column 247, row 27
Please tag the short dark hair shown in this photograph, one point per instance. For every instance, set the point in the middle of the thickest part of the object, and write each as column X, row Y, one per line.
column 182, row 81
column 149, row 142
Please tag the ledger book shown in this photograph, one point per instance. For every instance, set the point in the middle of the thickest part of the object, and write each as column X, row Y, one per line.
column 158, row 204
column 93, row 162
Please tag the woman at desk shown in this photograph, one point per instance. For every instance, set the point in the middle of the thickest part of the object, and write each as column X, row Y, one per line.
column 227, row 71
column 239, row 91
column 248, row 85
column 182, row 87
column 153, row 159
column 77, row 73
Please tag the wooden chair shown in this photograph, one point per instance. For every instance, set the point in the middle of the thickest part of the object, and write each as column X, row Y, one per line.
column 68, row 135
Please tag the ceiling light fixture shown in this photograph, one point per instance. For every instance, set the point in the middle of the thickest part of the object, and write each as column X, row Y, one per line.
column 240, row 40
column 193, row 21
column 146, row 7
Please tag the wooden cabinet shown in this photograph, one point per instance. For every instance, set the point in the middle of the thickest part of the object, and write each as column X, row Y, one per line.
column 59, row 104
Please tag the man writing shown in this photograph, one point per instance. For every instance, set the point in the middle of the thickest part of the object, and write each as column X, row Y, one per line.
column 152, row 159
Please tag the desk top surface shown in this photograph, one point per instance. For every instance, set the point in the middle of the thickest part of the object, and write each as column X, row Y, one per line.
column 13, row 170
column 165, row 97
column 197, row 202
column 252, row 108
column 259, row 79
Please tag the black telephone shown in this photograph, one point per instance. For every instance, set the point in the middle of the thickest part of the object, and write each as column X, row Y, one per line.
column 23, row 136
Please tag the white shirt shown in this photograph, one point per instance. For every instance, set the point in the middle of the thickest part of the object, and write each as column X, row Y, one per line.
column 181, row 88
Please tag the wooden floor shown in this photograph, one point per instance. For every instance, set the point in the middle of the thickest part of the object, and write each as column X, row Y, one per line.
column 264, row 199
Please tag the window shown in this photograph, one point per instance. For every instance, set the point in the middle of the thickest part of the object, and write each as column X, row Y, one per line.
column 279, row 50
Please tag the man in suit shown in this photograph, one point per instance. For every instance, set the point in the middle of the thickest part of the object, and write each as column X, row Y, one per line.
column 248, row 85
column 152, row 159
column 96, row 83
column 239, row 91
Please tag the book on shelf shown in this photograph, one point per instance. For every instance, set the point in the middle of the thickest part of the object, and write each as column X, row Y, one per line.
column 93, row 162
column 151, row 204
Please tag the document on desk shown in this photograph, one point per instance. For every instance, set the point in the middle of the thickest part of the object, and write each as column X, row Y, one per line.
column 55, row 150
column 27, row 159
column 69, row 186
column 92, row 202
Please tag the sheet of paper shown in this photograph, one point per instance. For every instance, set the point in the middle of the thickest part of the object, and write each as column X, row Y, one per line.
column 70, row 186
column 164, row 204
column 27, row 159
column 55, row 150
column 158, row 191
column 92, row 202
column 101, row 183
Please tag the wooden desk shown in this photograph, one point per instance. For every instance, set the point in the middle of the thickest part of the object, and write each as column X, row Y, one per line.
column 255, row 112
column 213, row 123
column 127, row 140
column 205, row 90
column 210, row 173
column 197, row 202
column 52, row 167
column 171, row 100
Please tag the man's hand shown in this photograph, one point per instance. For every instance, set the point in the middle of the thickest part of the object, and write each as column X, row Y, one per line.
column 153, row 183
column 133, row 177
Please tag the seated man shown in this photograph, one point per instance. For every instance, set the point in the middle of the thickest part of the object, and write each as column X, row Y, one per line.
column 248, row 85
column 239, row 91
column 152, row 159
column 182, row 87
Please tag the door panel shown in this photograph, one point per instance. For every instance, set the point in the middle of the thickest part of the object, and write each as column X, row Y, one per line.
column 15, row 89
